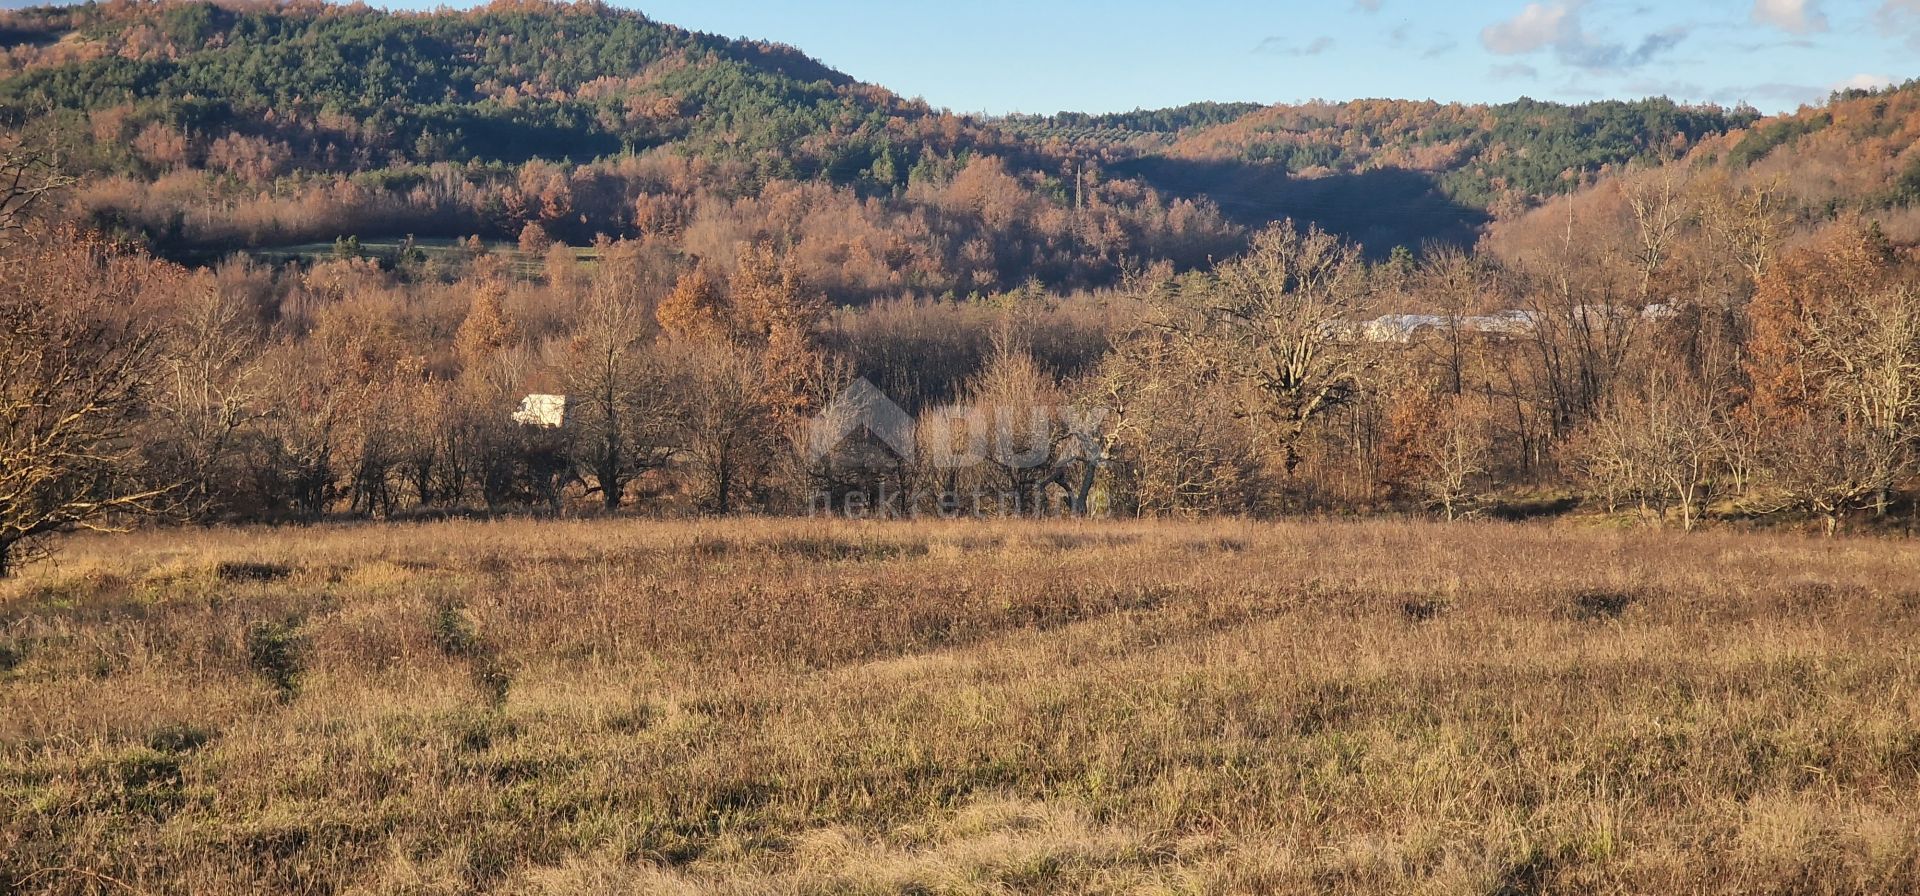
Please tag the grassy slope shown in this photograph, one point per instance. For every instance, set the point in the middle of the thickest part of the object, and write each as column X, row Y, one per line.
column 793, row 706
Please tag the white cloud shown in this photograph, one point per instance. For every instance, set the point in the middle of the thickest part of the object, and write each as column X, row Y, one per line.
column 1538, row 25
column 1796, row 16
column 1865, row 82
column 1557, row 26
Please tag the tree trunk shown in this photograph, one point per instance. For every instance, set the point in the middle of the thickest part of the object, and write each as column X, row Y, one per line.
column 1084, row 496
column 6, row 559
column 611, row 488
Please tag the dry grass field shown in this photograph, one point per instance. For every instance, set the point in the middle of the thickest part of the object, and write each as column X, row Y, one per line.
column 788, row 707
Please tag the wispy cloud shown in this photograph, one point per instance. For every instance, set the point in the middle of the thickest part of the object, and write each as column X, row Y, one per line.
column 1367, row 5
column 1401, row 37
column 1901, row 16
column 1795, row 16
column 1557, row 26
column 1280, row 46
column 1763, row 46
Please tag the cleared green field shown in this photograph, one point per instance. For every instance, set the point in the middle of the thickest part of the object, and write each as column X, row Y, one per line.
column 443, row 248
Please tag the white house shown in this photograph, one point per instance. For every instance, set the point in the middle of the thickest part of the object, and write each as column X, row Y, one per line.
column 543, row 411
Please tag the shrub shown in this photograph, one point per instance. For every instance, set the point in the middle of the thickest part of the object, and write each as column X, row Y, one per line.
column 1423, row 610
column 1601, row 604
column 273, row 651
column 453, row 635
column 493, row 681
column 244, row 571
column 12, row 654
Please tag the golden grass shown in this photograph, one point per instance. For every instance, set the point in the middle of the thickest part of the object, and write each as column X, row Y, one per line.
column 776, row 707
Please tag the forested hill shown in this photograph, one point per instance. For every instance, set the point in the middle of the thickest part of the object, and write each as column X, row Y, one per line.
column 1483, row 155
column 351, row 87
column 1855, row 158
column 201, row 128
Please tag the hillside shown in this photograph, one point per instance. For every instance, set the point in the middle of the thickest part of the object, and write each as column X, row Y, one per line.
column 203, row 128
column 207, row 127
column 1384, row 172
column 1860, row 153
column 1858, row 156
column 1485, row 156
column 346, row 88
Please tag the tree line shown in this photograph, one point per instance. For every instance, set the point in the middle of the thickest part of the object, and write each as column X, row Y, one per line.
column 1678, row 349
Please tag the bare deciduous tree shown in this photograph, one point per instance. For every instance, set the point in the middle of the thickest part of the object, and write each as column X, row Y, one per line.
column 624, row 421
column 1457, row 453
column 1273, row 321
column 728, row 429
column 80, row 361
column 212, row 387
column 1659, row 444
column 27, row 180
column 1747, row 223
column 1661, row 206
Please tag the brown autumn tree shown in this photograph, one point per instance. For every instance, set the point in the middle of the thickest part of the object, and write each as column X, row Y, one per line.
column 777, row 316
column 534, row 240
column 1439, row 445
column 81, row 359
column 1015, row 401
column 697, row 308
column 1835, row 370
column 486, row 330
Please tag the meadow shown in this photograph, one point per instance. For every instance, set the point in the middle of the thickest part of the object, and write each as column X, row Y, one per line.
column 756, row 706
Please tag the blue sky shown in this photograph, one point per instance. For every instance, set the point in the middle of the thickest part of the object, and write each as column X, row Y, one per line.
column 1004, row 56
column 1109, row 55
